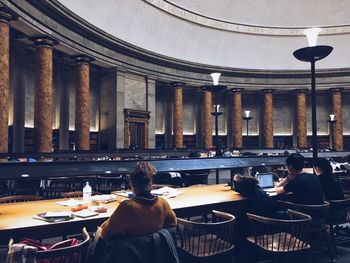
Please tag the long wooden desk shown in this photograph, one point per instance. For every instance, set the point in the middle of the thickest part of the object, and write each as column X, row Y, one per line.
column 16, row 220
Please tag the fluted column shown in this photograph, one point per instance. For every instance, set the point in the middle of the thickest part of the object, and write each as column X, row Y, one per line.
column 268, row 118
column 301, row 128
column 336, row 97
column 4, row 79
column 178, row 116
column 43, row 94
column 207, row 120
column 82, row 99
column 237, row 118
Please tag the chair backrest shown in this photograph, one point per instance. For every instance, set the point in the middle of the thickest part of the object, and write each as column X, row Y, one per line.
column 207, row 239
column 318, row 213
column 76, row 253
column 155, row 247
column 278, row 235
column 76, row 194
column 19, row 198
column 195, row 177
column 339, row 211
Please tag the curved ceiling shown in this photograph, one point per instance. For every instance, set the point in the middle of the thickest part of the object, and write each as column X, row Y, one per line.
column 275, row 13
column 237, row 33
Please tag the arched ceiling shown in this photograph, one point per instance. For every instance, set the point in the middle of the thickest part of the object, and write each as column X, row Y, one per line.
column 236, row 33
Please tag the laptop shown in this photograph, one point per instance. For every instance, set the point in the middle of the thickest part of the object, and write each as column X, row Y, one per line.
column 266, row 181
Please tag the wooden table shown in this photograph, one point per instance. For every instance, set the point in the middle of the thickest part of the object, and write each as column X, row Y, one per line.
column 16, row 220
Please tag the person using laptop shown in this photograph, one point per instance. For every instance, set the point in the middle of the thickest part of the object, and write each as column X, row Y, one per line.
column 305, row 187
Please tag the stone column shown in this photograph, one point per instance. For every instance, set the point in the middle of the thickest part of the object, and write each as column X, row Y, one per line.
column 4, row 79
column 207, row 120
column 301, row 128
column 82, row 99
column 151, row 106
column 168, row 125
column 237, row 118
column 178, row 116
column 336, row 97
column 43, row 94
column 268, row 118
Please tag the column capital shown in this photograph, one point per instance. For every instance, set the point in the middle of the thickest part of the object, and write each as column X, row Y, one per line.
column 4, row 17
column 301, row 91
column 43, row 40
column 82, row 58
column 177, row 84
column 333, row 90
column 267, row 91
column 235, row 90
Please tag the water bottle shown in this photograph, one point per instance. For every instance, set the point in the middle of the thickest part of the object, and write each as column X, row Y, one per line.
column 87, row 190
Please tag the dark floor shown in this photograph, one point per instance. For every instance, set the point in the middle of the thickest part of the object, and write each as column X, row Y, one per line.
column 344, row 255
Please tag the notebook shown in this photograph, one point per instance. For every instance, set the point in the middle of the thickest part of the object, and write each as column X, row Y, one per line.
column 265, row 180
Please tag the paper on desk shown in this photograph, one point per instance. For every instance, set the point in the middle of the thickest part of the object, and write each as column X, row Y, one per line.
column 103, row 198
column 166, row 192
column 57, row 214
column 71, row 202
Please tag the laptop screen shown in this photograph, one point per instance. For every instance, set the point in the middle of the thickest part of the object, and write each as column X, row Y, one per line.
column 265, row 180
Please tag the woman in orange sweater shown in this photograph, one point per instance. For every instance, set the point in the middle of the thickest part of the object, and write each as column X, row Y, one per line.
column 143, row 214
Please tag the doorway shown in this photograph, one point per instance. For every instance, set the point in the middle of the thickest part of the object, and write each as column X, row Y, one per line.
column 136, row 129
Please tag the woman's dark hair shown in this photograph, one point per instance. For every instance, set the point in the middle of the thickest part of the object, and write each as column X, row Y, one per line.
column 324, row 165
column 245, row 184
column 296, row 160
column 141, row 176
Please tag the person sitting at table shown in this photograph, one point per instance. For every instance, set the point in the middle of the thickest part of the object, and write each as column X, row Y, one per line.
column 259, row 202
column 331, row 188
column 305, row 187
column 324, row 171
column 144, row 213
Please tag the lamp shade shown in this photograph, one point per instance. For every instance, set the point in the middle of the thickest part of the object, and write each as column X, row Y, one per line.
column 247, row 113
column 216, row 107
column 332, row 117
column 215, row 77
column 312, row 34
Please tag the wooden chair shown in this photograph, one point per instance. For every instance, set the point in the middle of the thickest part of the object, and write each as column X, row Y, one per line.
column 19, row 198
column 281, row 238
column 206, row 241
column 77, row 253
column 318, row 225
column 77, row 194
column 195, row 177
column 339, row 214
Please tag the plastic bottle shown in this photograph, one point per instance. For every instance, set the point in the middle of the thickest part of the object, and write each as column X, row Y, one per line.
column 87, row 190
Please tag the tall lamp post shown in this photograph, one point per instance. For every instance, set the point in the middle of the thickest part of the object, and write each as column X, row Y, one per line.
column 215, row 89
column 331, row 122
column 311, row 54
column 247, row 118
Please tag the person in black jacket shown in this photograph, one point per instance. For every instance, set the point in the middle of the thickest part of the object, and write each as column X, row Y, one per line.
column 305, row 187
column 324, row 171
column 331, row 188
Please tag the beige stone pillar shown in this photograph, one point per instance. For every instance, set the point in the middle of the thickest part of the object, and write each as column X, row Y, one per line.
column 207, row 120
column 178, row 115
column 268, row 118
column 4, row 79
column 237, row 118
column 301, row 128
column 336, row 98
column 43, row 94
column 82, row 99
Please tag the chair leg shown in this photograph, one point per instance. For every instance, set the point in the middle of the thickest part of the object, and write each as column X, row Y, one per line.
column 329, row 246
column 308, row 256
column 332, row 234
